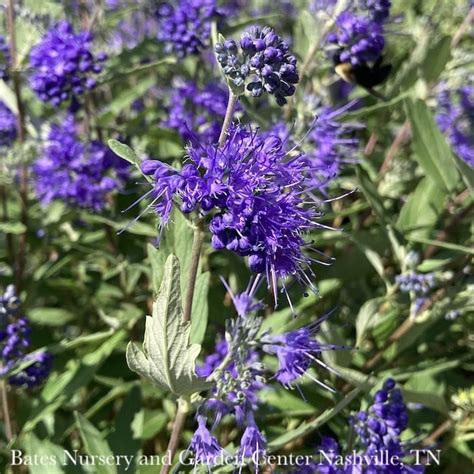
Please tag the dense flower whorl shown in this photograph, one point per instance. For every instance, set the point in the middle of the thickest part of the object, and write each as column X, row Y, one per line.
column 265, row 59
column 378, row 431
column 63, row 64
column 197, row 113
column 8, row 127
column 420, row 283
column 358, row 40
column 80, row 174
column 185, row 26
column 455, row 118
column 4, row 58
column 15, row 340
column 257, row 194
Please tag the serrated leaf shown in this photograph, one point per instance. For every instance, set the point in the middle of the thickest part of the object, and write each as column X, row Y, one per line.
column 430, row 147
column 167, row 358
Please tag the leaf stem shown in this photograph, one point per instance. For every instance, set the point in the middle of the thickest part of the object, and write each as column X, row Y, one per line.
column 193, row 269
column 178, row 426
column 6, row 411
column 229, row 114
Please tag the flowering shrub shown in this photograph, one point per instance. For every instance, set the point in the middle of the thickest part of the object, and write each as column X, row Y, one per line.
column 236, row 236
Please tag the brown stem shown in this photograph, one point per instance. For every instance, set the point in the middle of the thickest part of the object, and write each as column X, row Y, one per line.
column 15, row 73
column 401, row 137
column 8, row 236
column 442, row 428
column 229, row 113
column 178, row 427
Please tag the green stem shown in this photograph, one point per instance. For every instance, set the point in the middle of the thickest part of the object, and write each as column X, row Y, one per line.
column 6, row 411
column 229, row 114
column 193, row 269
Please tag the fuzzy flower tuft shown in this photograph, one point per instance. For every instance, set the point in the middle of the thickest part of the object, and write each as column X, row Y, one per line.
column 80, row 174
column 63, row 64
column 254, row 193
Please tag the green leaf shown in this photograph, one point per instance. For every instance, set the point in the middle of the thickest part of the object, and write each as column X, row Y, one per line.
column 366, row 318
column 437, row 55
column 94, row 443
column 200, row 311
column 50, row 316
column 445, row 245
column 430, row 147
column 124, row 151
column 12, row 227
column 307, row 427
column 43, row 447
column 420, row 213
column 168, row 359
column 371, row 193
column 125, row 439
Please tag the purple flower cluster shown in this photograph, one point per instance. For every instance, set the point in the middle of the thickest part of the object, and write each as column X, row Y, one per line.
column 185, row 25
column 358, row 39
column 77, row 173
column 256, row 193
column 265, row 59
column 378, row 10
column 420, row 283
column 197, row 113
column 4, row 58
column 378, row 431
column 455, row 118
column 205, row 446
column 297, row 351
column 331, row 143
column 15, row 339
column 8, row 128
column 63, row 64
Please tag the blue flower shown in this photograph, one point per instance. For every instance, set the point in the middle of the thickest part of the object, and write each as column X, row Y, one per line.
column 253, row 443
column 297, row 351
column 8, row 126
column 4, row 58
column 358, row 40
column 185, row 27
column 205, row 446
column 15, row 340
column 378, row 10
column 80, row 174
column 254, row 194
column 63, row 64
column 197, row 114
column 264, row 59
column 455, row 118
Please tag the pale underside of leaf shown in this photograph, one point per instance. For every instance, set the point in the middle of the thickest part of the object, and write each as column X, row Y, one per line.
column 167, row 358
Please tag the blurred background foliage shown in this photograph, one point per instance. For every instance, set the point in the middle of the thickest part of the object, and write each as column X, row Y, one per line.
column 86, row 288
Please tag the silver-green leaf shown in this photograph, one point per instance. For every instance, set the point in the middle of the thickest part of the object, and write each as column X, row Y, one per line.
column 167, row 358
